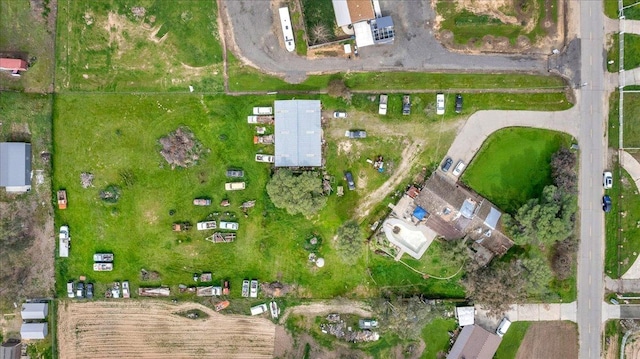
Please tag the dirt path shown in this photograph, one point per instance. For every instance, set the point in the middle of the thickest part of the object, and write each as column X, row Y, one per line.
column 150, row 329
column 316, row 309
column 409, row 154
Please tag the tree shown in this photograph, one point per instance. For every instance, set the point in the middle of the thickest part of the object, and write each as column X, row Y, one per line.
column 545, row 220
column 405, row 317
column 349, row 241
column 296, row 193
column 496, row 286
column 563, row 170
column 537, row 274
column 319, row 34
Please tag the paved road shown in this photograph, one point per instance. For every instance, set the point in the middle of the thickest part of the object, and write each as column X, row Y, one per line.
column 415, row 47
column 592, row 160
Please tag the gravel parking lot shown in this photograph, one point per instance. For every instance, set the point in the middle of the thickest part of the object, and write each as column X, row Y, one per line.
column 257, row 39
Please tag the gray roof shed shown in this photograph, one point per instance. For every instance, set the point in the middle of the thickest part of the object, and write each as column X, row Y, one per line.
column 33, row 330
column 298, row 133
column 474, row 342
column 15, row 166
column 34, row 311
column 11, row 349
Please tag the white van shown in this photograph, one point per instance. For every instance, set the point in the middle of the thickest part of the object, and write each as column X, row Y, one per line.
column 70, row 292
column 503, row 327
column 234, row 186
column 459, row 168
column 258, row 309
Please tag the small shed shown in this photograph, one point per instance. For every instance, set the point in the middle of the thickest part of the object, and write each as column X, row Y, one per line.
column 31, row 311
column 15, row 166
column 33, row 330
column 11, row 349
column 465, row 315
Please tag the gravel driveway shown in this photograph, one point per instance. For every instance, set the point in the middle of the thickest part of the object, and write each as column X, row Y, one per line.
column 414, row 49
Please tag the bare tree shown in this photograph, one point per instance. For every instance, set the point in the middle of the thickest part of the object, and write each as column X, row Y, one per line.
column 319, row 34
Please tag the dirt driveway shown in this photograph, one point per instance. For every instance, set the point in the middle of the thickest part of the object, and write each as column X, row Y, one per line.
column 150, row 329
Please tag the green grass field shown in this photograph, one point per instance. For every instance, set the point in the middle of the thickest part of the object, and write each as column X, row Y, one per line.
column 622, row 246
column 436, row 337
column 27, row 33
column 513, row 165
column 511, row 341
column 122, row 45
column 631, row 52
column 319, row 13
column 631, row 130
column 113, row 136
column 631, row 13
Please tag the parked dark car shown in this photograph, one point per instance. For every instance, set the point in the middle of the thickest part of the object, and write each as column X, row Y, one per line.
column 447, row 164
column 606, row 203
column 89, row 290
column 235, row 173
column 458, row 103
column 349, row 177
column 80, row 290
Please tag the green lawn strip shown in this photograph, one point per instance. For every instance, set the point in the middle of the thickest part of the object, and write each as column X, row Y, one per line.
column 613, row 52
column 631, row 13
column 25, row 30
column 511, row 340
column 631, row 130
column 631, row 50
column 436, row 337
column 612, row 225
column 613, row 130
column 513, row 165
column 613, row 331
column 103, row 46
column 629, row 209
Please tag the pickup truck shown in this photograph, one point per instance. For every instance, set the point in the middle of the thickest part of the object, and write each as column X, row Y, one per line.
column 234, row 186
column 265, row 158
column 102, row 267
column 103, row 257
column 233, row 226
column 203, row 226
column 382, row 108
column 253, row 290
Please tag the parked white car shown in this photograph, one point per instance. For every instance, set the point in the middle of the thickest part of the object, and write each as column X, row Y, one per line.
column 503, row 327
column 440, row 104
column 607, row 180
column 233, row 226
column 234, row 186
column 459, row 168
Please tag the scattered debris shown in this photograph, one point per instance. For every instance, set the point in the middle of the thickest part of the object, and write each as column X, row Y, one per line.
column 219, row 237
column 110, row 194
column 338, row 328
column 138, row 11
column 180, row 148
column 86, row 179
column 275, row 289
column 181, row 226
column 154, row 292
column 149, row 275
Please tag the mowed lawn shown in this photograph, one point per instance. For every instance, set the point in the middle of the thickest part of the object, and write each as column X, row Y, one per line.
column 124, row 45
column 513, row 165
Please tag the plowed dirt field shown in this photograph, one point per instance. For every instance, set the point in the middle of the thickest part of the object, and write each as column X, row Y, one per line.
column 150, row 329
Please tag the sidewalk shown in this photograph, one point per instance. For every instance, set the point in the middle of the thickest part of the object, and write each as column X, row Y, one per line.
column 483, row 123
column 631, row 26
column 531, row 313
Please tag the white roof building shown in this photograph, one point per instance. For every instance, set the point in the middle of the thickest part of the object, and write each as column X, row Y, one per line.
column 32, row 311
column 298, row 133
column 465, row 315
column 33, row 330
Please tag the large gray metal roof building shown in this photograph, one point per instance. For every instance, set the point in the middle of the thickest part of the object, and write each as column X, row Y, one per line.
column 298, row 133
column 15, row 166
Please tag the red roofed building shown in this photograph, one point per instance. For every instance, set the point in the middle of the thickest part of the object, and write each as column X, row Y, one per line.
column 12, row 65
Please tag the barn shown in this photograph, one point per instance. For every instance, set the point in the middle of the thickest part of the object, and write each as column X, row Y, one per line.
column 298, row 133
column 33, row 330
column 15, row 166
column 32, row 311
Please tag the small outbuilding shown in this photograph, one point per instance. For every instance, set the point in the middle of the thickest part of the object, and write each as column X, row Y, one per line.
column 31, row 311
column 466, row 315
column 15, row 166
column 11, row 349
column 34, row 330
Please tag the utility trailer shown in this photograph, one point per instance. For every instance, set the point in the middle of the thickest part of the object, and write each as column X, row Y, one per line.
column 103, row 267
column 220, row 237
column 103, row 257
column 382, row 108
column 62, row 199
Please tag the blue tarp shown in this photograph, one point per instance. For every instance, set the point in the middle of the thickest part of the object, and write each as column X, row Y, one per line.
column 419, row 213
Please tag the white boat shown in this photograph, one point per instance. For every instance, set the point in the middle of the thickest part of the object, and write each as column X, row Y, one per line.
column 273, row 307
column 287, row 31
